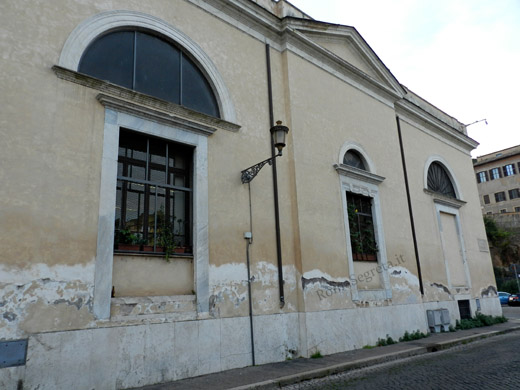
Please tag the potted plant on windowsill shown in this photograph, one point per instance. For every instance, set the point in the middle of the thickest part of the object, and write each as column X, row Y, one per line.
column 127, row 241
column 362, row 237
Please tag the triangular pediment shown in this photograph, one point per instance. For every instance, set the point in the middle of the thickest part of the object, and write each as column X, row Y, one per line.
column 346, row 44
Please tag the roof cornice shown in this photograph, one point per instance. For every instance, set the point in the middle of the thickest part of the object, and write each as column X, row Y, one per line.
column 430, row 122
column 283, row 34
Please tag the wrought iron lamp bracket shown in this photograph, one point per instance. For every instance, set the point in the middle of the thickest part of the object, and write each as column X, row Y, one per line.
column 250, row 173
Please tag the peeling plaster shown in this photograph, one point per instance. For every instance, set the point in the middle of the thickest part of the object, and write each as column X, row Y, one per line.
column 323, row 281
column 490, row 290
column 228, row 285
column 44, row 273
column 317, row 274
column 45, row 303
column 442, row 287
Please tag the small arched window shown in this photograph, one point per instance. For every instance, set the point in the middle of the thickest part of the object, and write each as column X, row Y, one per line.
column 152, row 65
column 439, row 181
column 354, row 159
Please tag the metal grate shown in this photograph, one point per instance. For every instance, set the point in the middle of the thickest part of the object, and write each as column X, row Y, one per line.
column 13, row 353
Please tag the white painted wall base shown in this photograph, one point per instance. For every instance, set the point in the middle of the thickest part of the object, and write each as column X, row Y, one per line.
column 125, row 356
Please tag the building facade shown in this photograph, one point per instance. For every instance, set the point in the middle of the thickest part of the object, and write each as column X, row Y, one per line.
column 498, row 178
column 131, row 247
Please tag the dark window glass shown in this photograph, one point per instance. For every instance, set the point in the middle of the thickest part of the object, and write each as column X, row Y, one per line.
column 514, row 193
column 196, row 91
column 353, row 159
column 439, row 181
column 157, row 68
column 361, row 225
column 152, row 215
column 500, row 196
column 486, row 199
column 151, row 65
column 111, row 58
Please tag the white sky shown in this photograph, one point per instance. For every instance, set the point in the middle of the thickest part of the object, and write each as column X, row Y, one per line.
column 463, row 56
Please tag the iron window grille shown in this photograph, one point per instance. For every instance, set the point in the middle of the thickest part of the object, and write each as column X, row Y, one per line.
column 154, row 192
column 361, row 226
column 486, row 199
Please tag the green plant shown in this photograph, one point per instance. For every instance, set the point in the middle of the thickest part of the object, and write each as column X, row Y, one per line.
column 316, row 355
column 478, row 321
column 167, row 238
column 497, row 236
column 368, row 346
column 413, row 336
column 125, row 236
column 381, row 342
column 362, row 237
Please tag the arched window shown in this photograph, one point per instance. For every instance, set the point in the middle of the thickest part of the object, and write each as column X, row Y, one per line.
column 439, row 181
column 152, row 65
column 354, row 159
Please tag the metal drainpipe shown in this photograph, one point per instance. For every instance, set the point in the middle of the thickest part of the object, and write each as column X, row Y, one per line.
column 412, row 223
column 275, row 179
column 249, row 278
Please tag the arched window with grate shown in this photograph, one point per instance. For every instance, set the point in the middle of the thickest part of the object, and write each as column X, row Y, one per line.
column 439, row 180
column 354, row 159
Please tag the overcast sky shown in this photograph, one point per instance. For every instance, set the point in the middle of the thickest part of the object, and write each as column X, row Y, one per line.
column 463, row 56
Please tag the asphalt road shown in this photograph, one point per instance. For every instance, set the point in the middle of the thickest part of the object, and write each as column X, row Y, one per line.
column 488, row 364
column 511, row 312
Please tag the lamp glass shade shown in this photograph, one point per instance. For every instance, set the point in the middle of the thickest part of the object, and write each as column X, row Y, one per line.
column 278, row 133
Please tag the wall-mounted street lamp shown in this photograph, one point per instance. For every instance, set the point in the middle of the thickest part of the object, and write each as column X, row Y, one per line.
column 278, row 133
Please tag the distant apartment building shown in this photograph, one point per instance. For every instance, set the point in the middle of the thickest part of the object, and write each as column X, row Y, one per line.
column 498, row 178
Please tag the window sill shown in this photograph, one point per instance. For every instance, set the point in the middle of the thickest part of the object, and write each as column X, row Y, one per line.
column 359, row 174
column 445, row 200
column 152, row 108
column 151, row 254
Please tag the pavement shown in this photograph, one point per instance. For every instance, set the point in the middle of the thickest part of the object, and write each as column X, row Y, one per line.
column 276, row 375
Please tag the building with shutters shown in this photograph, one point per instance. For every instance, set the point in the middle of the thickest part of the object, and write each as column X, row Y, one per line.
column 136, row 248
column 498, row 178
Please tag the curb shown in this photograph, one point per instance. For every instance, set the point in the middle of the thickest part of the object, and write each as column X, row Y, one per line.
column 361, row 363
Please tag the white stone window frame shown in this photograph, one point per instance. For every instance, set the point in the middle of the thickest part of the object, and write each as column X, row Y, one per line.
column 114, row 121
column 366, row 183
column 95, row 26
column 133, row 115
column 451, row 206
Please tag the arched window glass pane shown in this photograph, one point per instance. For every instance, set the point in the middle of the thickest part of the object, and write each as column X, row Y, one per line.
column 151, row 65
column 194, row 89
column 157, row 68
column 111, row 58
column 353, row 159
column 439, row 181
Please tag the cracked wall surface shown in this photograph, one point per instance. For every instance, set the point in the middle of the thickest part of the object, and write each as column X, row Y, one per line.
column 60, row 299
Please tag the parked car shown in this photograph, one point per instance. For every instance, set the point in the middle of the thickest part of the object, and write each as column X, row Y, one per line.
column 514, row 300
column 504, row 297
